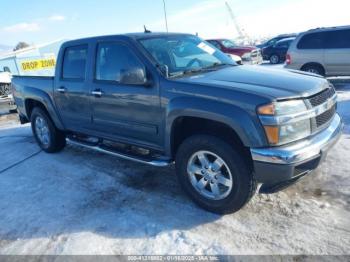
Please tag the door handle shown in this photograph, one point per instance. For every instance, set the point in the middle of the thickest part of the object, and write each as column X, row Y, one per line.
column 97, row 92
column 61, row 89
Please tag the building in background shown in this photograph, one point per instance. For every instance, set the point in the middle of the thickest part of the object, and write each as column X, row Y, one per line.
column 37, row 60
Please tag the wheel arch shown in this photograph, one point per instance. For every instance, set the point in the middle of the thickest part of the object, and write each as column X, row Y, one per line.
column 38, row 98
column 223, row 119
column 317, row 64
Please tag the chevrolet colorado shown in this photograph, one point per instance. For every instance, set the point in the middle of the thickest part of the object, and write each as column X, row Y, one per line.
column 158, row 98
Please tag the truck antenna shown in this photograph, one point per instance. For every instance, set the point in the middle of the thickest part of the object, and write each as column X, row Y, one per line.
column 165, row 17
column 146, row 30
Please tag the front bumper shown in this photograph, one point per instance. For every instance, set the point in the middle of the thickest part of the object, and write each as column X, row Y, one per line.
column 278, row 165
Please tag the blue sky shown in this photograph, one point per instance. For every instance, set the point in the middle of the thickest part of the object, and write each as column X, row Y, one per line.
column 40, row 21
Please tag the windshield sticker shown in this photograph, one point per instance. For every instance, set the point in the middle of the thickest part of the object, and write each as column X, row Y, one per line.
column 206, row 48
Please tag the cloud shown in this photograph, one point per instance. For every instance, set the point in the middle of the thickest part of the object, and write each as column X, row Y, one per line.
column 282, row 19
column 22, row 27
column 212, row 20
column 57, row 18
column 191, row 18
column 34, row 26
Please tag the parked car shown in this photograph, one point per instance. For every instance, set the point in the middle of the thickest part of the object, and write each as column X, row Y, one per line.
column 274, row 40
column 277, row 53
column 6, row 98
column 323, row 51
column 5, row 83
column 174, row 98
column 249, row 54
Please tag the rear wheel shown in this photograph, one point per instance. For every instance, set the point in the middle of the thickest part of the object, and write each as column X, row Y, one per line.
column 48, row 137
column 214, row 174
column 274, row 59
column 314, row 68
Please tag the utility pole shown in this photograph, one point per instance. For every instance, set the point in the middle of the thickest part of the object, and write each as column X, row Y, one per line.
column 166, row 19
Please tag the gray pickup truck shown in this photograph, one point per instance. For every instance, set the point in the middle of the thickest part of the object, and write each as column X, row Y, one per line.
column 158, row 98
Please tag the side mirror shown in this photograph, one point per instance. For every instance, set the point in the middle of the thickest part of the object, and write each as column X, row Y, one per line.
column 133, row 76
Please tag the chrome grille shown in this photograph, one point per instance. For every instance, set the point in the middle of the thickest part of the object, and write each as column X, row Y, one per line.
column 254, row 53
column 325, row 117
column 5, row 89
column 320, row 121
column 322, row 97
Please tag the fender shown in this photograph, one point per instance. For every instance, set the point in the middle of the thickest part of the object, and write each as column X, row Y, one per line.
column 245, row 125
column 42, row 97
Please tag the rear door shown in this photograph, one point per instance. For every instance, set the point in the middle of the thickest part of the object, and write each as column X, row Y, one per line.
column 310, row 49
column 337, row 52
column 123, row 112
column 71, row 94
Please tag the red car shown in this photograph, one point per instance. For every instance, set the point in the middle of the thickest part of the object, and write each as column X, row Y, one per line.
column 249, row 54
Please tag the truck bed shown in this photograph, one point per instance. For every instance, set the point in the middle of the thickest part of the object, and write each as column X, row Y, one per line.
column 37, row 87
column 44, row 83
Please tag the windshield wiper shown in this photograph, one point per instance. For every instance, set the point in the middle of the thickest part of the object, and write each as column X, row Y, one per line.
column 216, row 64
column 198, row 70
column 176, row 74
column 188, row 72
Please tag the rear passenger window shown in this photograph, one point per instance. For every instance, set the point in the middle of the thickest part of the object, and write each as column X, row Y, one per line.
column 74, row 62
column 312, row 41
column 112, row 59
column 338, row 39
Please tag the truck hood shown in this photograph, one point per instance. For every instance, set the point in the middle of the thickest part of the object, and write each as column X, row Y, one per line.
column 272, row 83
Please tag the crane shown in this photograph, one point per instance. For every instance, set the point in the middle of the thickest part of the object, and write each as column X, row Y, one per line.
column 242, row 35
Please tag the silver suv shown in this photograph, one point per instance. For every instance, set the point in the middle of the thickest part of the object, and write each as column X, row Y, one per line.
column 324, row 51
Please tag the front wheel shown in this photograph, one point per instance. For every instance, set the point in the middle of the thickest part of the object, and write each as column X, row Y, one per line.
column 214, row 174
column 48, row 137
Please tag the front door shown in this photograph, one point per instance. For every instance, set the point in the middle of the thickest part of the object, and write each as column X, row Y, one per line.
column 123, row 112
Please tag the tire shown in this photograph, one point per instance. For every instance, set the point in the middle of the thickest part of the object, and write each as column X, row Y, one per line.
column 48, row 137
column 314, row 68
column 274, row 59
column 238, row 171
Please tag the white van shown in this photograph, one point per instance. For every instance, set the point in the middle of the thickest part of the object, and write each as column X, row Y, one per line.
column 324, row 51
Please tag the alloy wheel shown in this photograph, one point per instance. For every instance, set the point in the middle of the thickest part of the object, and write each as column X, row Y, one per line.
column 209, row 175
column 42, row 131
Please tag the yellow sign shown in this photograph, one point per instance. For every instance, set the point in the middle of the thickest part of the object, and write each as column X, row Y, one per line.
column 38, row 64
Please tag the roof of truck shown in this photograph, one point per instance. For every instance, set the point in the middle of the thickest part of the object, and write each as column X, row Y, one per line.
column 128, row 35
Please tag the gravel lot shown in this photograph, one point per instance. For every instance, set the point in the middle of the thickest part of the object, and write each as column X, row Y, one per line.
column 83, row 202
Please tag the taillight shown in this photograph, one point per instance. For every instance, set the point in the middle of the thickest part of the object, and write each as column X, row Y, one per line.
column 288, row 59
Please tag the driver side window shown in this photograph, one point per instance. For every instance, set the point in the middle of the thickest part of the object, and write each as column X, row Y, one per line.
column 112, row 59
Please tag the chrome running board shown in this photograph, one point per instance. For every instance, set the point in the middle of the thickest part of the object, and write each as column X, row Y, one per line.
column 152, row 161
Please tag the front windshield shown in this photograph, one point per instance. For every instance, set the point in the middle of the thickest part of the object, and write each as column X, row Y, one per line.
column 228, row 43
column 182, row 54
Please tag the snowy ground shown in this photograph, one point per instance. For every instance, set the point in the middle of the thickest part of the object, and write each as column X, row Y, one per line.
column 83, row 202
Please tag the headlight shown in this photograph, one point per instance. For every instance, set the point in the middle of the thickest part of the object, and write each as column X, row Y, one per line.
column 281, row 133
